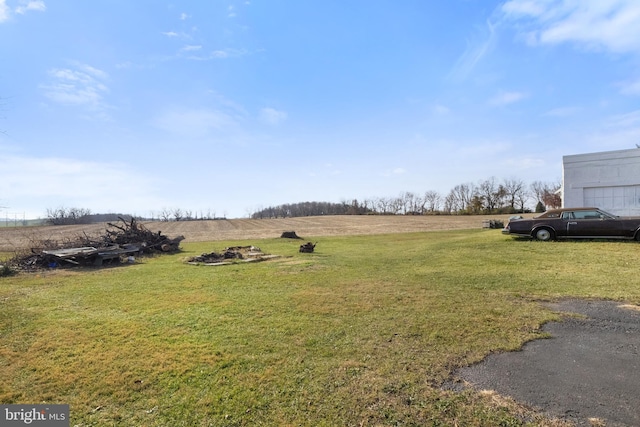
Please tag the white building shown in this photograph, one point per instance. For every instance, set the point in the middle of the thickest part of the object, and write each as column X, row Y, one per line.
column 609, row 180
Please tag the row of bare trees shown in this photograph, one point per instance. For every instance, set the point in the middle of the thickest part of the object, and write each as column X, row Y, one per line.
column 179, row 214
column 486, row 197
column 68, row 216
column 489, row 196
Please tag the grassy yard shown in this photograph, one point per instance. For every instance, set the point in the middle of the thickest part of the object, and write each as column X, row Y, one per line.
column 360, row 333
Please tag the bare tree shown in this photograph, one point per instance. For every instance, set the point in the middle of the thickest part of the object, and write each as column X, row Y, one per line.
column 538, row 188
column 165, row 215
column 461, row 196
column 67, row 216
column 432, row 200
column 547, row 193
column 406, row 201
column 491, row 194
column 449, row 204
column 515, row 192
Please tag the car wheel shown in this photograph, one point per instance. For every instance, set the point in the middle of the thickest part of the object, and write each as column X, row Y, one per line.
column 544, row 234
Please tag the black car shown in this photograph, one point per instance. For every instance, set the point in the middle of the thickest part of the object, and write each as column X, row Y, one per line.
column 575, row 223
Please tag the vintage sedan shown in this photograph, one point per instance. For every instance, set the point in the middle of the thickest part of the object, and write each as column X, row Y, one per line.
column 574, row 223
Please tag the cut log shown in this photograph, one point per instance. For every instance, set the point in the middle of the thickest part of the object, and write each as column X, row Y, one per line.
column 307, row 247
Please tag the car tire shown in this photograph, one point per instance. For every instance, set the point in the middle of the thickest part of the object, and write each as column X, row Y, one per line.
column 544, row 234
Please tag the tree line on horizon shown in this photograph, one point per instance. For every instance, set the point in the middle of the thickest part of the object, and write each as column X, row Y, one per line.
column 487, row 197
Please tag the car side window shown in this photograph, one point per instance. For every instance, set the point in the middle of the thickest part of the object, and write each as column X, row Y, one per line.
column 567, row 215
column 587, row 215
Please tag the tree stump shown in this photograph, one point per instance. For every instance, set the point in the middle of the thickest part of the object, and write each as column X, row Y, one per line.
column 290, row 235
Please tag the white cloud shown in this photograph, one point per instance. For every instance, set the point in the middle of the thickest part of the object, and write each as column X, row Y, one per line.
column 85, row 184
column 611, row 25
column 272, row 116
column 4, row 11
column 477, row 49
column 562, row 112
column 83, row 86
column 228, row 53
column 193, row 122
column 622, row 130
column 441, row 109
column 631, row 119
column 184, row 16
column 36, row 5
column 506, row 98
column 630, row 87
column 218, row 54
column 23, row 7
column 395, row 171
column 191, row 48
column 522, row 163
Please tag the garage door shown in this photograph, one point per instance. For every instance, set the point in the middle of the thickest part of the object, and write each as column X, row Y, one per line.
column 624, row 200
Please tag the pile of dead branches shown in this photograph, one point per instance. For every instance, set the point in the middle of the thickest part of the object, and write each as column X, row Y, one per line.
column 134, row 233
column 231, row 255
column 121, row 242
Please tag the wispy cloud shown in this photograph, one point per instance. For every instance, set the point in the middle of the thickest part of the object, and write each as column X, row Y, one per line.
column 616, row 131
column 4, row 11
column 82, row 85
column 631, row 119
column 480, row 45
column 177, row 35
column 440, row 109
column 191, row 48
column 631, row 87
column 506, row 98
column 83, row 183
column 562, row 112
column 26, row 6
column 23, row 7
column 217, row 54
column 228, row 53
column 193, row 122
column 271, row 116
column 612, row 25
column 394, row 172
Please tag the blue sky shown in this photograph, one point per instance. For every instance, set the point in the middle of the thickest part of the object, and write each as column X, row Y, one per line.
column 230, row 106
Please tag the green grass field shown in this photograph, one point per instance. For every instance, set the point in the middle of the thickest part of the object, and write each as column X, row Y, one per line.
column 360, row 333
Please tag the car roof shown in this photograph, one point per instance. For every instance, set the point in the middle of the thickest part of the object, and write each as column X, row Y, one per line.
column 552, row 213
column 572, row 209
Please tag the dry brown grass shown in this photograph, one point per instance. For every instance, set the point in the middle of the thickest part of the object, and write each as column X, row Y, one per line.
column 244, row 229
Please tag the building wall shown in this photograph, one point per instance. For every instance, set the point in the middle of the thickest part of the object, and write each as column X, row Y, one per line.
column 608, row 180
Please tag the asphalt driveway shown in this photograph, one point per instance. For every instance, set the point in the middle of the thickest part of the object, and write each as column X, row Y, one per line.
column 588, row 369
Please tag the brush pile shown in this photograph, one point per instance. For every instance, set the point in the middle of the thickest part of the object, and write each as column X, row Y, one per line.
column 231, row 255
column 121, row 242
